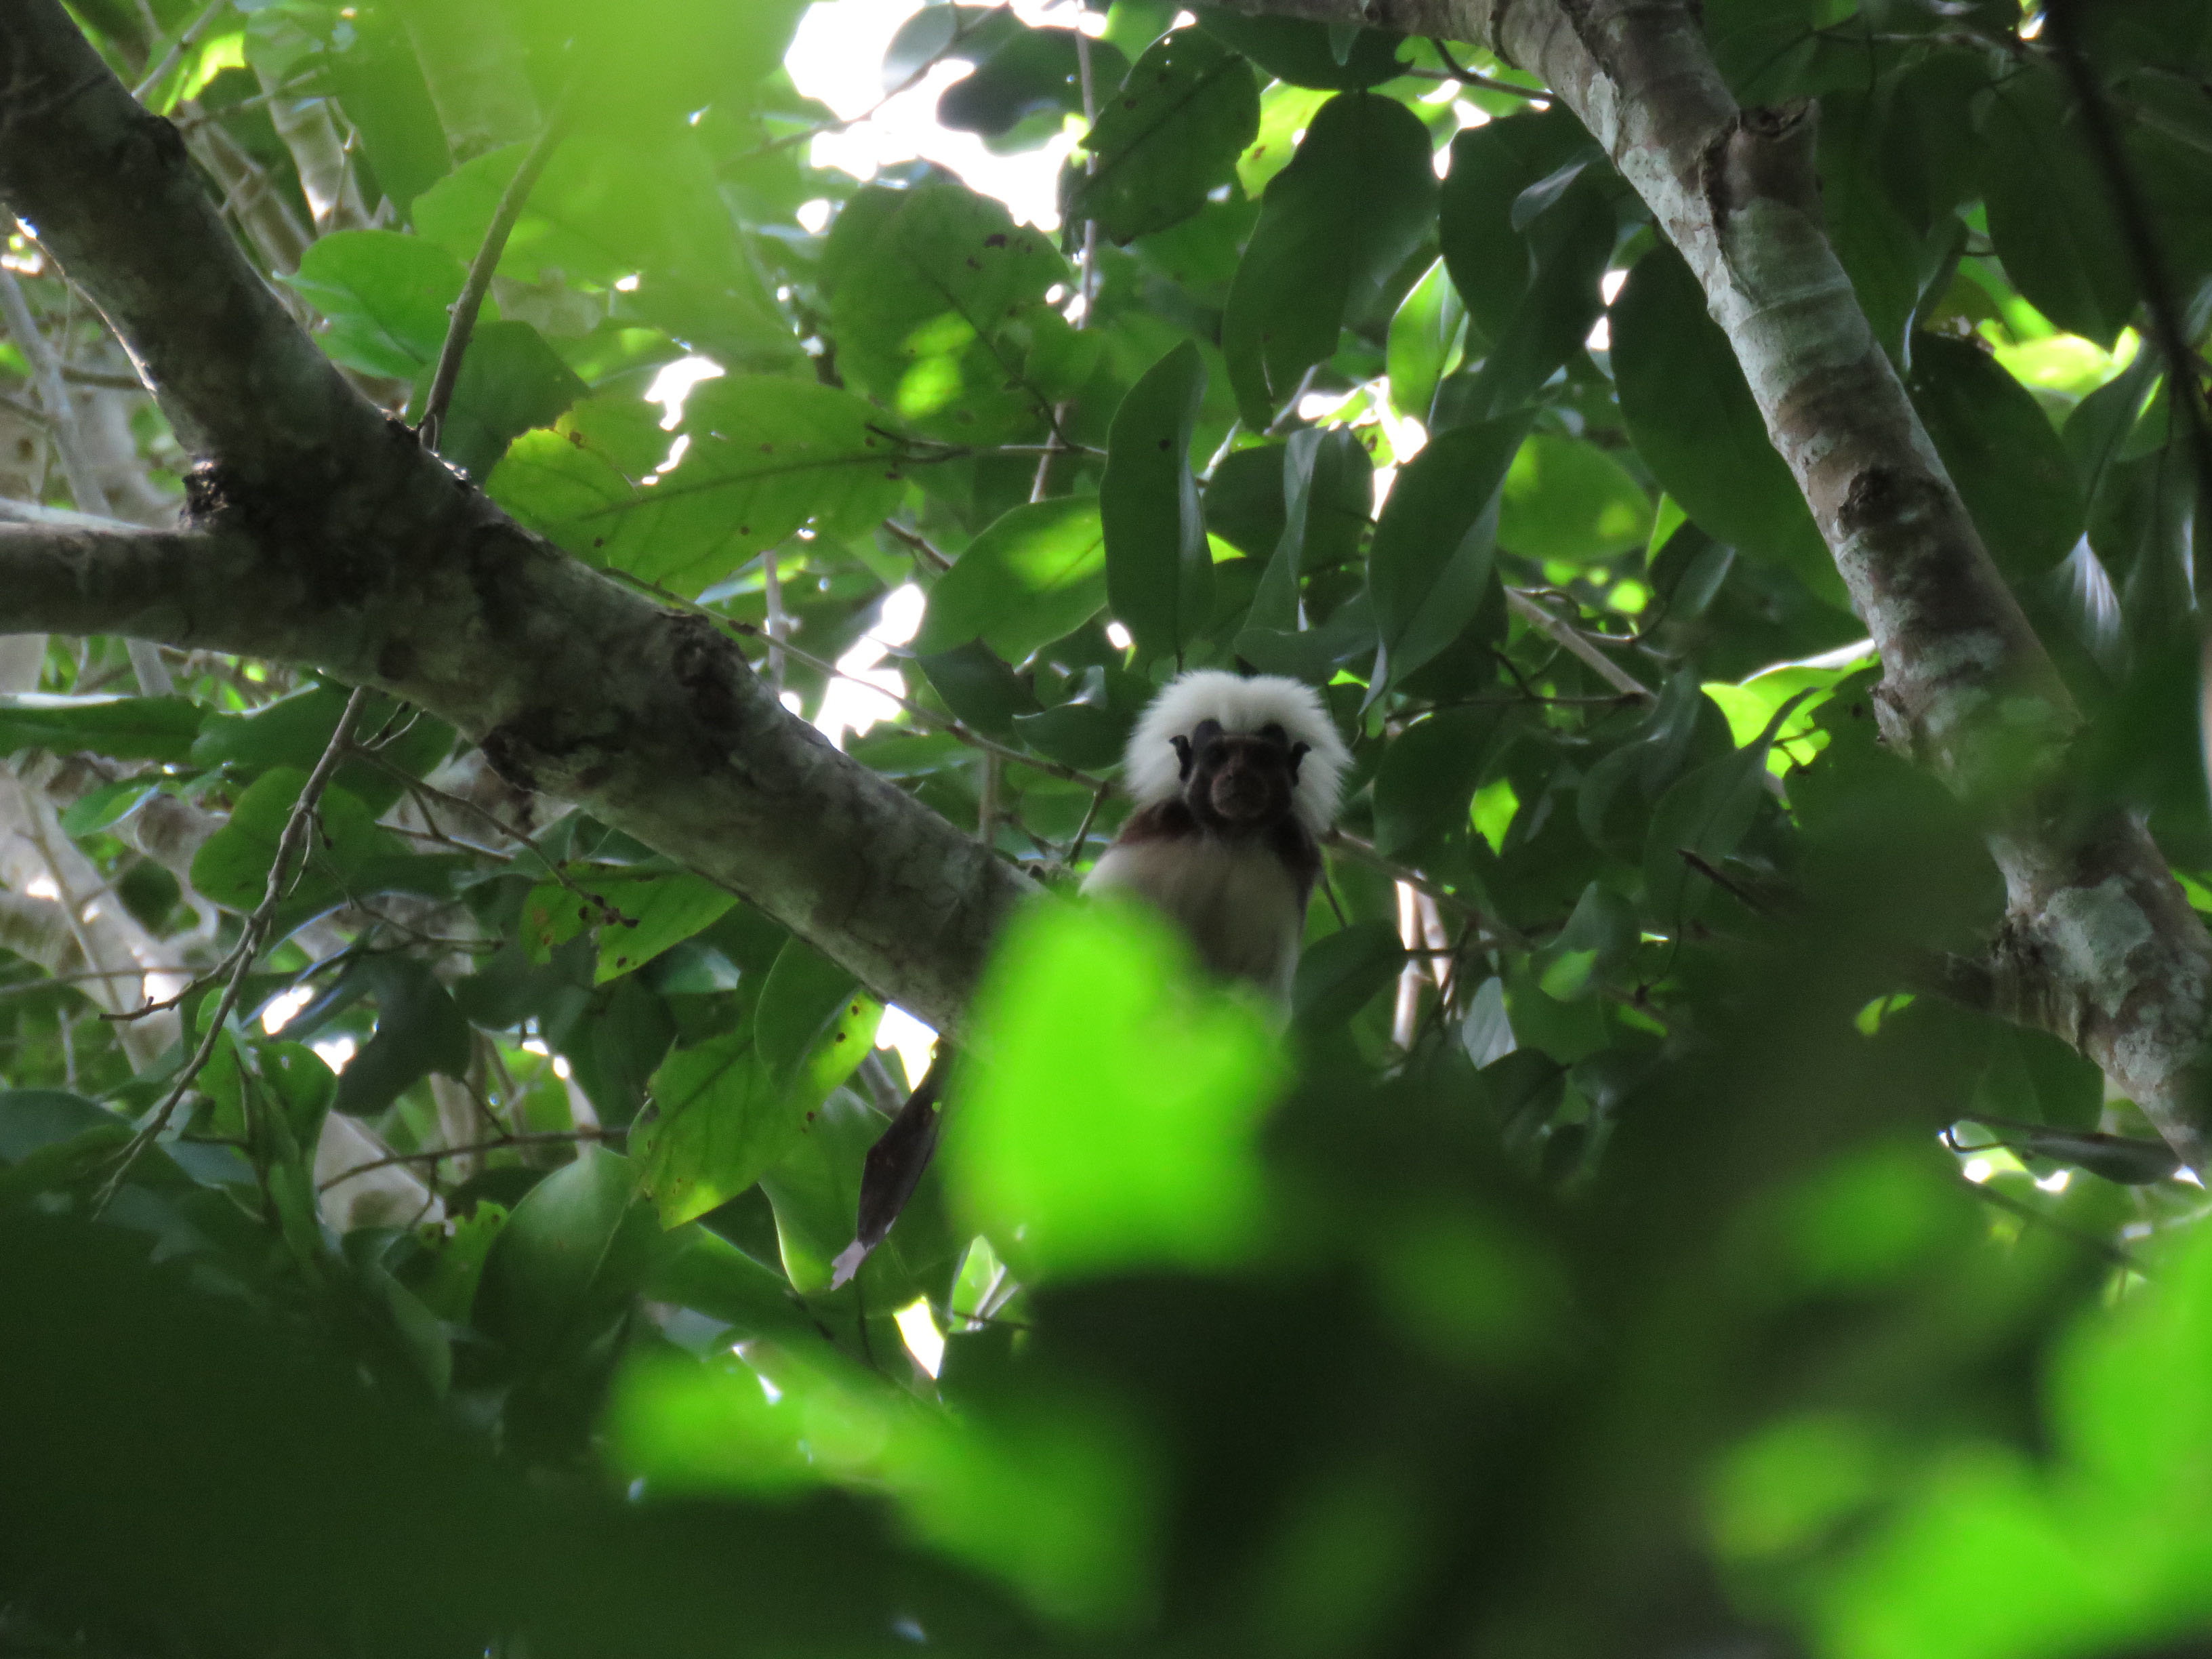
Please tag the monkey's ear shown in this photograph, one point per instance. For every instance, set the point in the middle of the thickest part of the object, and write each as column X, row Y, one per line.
column 1182, row 756
column 1299, row 752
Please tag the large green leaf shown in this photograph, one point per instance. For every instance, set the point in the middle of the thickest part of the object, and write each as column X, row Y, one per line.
column 564, row 1269
column 2050, row 210
column 1567, row 226
column 1335, row 226
column 1170, row 134
column 1567, row 499
column 608, row 209
column 1430, row 562
column 1080, row 1161
column 937, row 302
column 121, row 728
column 1693, row 421
column 510, row 381
column 1424, row 342
column 1484, row 249
column 385, row 296
column 764, row 456
column 1308, row 54
column 1159, row 572
column 2001, row 450
column 1036, row 574
column 1870, row 234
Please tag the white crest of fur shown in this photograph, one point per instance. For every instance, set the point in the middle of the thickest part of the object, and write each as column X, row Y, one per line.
column 1152, row 773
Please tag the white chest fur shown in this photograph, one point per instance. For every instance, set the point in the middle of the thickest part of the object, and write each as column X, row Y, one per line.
column 1238, row 904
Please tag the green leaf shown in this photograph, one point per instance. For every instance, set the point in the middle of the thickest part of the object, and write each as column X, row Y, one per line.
column 1303, row 54
column 936, row 301
column 1341, row 973
column 1327, row 482
column 2010, row 466
column 1076, row 1162
column 1424, row 342
column 723, row 1121
column 764, row 456
column 805, row 996
column 1569, row 237
column 1427, row 776
column 1032, row 72
column 385, row 297
column 121, row 728
column 640, row 912
column 510, row 381
column 1870, row 234
column 1692, row 420
column 1336, row 225
column 1171, row 133
column 232, row 868
column 570, row 1258
column 1159, row 570
column 2050, row 210
column 655, row 62
column 1706, row 811
column 1430, row 562
column 1484, row 249
column 294, row 731
column 1568, row 499
column 1036, row 574
column 418, row 1031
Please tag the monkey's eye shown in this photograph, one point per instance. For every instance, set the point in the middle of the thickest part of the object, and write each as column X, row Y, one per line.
column 1272, row 730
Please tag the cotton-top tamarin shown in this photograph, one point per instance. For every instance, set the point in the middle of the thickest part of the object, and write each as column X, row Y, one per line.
column 1235, row 779
column 1235, row 782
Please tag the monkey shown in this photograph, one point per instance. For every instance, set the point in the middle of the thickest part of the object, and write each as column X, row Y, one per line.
column 1235, row 779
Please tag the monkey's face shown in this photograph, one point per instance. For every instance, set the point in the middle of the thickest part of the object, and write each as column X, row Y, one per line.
column 1239, row 781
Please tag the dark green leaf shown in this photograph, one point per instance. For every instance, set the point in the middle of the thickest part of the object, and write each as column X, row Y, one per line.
column 2011, row 466
column 1571, row 501
column 2051, row 211
column 805, row 996
column 1036, row 574
column 122, row 728
column 418, row 1031
column 1303, row 53
column 1335, row 226
column 1340, row 975
column 1694, row 424
column 936, row 301
column 1159, row 570
column 1485, row 254
column 1430, row 562
column 510, row 381
column 1169, row 134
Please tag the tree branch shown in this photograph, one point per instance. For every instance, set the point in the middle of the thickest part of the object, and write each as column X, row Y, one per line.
column 327, row 535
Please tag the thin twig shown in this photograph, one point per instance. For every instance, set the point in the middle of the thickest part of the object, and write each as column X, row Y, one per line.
column 248, row 947
column 478, row 284
column 183, row 44
column 1083, row 830
column 1471, row 78
column 1497, row 933
column 1576, row 643
column 439, row 1154
column 920, row 545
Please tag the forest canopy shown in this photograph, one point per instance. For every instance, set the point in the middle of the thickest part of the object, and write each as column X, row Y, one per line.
column 566, row 602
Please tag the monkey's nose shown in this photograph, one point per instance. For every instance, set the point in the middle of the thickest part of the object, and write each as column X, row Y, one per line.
column 1240, row 794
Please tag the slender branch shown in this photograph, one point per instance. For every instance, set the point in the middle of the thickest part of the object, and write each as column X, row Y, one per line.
column 920, row 544
column 1469, row 77
column 448, row 371
column 498, row 1143
column 60, row 415
column 247, row 948
column 184, row 43
column 1578, row 644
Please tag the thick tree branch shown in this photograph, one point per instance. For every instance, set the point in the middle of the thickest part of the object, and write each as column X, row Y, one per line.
column 2100, row 946
column 326, row 535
